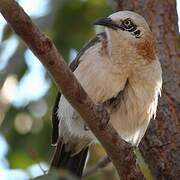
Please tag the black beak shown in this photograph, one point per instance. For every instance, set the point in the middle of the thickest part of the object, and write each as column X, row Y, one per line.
column 107, row 22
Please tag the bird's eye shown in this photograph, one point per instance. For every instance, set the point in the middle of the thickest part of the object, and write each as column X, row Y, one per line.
column 127, row 23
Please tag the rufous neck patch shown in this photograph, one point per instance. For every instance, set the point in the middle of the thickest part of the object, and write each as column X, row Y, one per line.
column 146, row 48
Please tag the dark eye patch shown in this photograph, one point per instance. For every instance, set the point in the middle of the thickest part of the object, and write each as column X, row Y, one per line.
column 137, row 32
column 133, row 28
column 129, row 26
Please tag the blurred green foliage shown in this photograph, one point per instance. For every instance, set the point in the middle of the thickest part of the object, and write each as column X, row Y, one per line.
column 73, row 23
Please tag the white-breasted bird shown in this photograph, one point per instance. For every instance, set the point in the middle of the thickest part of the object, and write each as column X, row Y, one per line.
column 118, row 68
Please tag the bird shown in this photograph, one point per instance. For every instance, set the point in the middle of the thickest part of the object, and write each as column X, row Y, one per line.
column 119, row 69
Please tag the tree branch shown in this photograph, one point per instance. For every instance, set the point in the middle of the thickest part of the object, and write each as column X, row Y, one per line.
column 118, row 150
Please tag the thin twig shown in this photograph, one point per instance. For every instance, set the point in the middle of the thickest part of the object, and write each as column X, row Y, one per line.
column 34, row 155
column 102, row 163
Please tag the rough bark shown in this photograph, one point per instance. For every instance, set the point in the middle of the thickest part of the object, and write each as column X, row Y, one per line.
column 161, row 144
column 45, row 50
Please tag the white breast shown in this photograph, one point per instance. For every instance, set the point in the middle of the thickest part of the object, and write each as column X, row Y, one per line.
column 102, row 81
column 139, row 103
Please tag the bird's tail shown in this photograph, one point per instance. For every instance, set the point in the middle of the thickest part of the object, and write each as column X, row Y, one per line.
column 63, row 159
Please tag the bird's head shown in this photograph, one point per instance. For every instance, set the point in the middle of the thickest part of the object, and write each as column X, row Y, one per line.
column 130, row 29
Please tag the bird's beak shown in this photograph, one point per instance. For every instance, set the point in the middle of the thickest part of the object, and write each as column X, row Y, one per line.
column 107, row 22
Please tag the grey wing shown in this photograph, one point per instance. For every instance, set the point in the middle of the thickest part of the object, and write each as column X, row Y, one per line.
column 55, row 120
